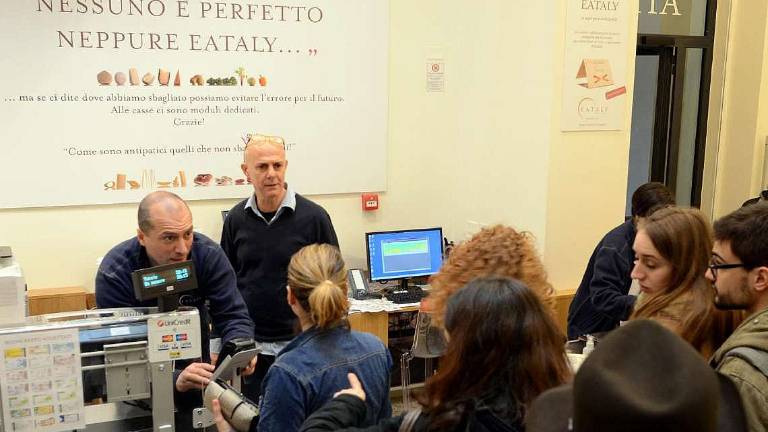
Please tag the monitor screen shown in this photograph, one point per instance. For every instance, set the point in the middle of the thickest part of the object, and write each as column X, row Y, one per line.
column 162, row 280
column 404, row 254
column 165, row 277
column 117, row 333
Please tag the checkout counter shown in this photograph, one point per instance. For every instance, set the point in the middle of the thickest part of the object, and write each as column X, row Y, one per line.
column 112, row 369
column 121, row 358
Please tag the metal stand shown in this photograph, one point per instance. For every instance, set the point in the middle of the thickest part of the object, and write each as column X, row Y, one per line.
column 162, row 396
column 126, row 371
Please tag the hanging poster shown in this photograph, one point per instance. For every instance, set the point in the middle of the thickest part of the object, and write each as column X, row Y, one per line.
column 596, row 44
column 104, row 101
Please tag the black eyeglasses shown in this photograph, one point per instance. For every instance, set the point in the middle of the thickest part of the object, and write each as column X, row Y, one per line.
column 715, row 267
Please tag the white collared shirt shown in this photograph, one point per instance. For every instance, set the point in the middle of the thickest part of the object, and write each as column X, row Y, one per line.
column 289, row 201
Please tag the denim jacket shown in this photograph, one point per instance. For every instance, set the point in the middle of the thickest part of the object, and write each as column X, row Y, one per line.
column 314, row 366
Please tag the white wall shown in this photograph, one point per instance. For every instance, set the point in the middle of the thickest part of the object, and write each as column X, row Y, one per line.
column 735, row 163
column 479, row 151
column 587, row 178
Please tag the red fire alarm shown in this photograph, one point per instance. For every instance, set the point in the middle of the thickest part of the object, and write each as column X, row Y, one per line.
column 370, row 201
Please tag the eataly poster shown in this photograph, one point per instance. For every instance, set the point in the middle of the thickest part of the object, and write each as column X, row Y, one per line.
column 595, row 66
column 107, row 100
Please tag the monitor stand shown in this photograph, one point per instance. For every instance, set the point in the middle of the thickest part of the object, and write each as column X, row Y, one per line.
column 404, row 285
column 168, row 303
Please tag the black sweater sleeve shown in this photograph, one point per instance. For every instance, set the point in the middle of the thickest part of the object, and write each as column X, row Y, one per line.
column 346, row 413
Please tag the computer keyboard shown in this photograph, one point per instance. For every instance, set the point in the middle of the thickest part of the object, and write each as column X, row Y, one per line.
column 365, row 295
column 412, row 295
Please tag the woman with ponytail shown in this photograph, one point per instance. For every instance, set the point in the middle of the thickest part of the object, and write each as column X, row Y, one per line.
column 315, row 364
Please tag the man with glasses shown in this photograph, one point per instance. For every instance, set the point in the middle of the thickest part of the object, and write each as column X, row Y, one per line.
column 739, row 273
column 260, row 235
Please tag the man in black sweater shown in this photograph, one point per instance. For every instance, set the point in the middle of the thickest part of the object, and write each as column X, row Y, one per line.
column 259, row 237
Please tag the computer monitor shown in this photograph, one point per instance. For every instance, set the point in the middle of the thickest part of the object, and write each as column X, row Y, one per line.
column 404, row 254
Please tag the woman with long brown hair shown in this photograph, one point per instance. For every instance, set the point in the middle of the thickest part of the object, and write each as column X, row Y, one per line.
column 672, row 250
column 503, row 350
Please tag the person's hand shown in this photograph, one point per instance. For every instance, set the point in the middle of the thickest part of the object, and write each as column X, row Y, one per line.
column 194, row 376
column 251, row 368
column 356, row 389
column 214, row 358
column 221, row 424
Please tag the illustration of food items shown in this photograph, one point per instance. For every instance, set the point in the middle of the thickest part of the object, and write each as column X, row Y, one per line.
column 148, row 181
column 203, row 179
column 197, row 80
column 596, row 73
column 163, row 76
column 231, row 81
column 206, row 179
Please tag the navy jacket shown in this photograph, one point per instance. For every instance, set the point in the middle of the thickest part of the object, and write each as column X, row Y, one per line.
column 314, row 366
column 217, row 286
column 602, row 300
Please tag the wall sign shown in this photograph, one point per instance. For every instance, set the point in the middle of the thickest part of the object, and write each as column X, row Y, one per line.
column 595, row 65
column 107, row 100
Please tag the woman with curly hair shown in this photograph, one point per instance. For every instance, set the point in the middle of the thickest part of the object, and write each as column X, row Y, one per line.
column 494, row 251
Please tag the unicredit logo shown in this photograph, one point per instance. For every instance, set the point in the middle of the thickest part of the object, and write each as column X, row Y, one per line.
column 174, row 322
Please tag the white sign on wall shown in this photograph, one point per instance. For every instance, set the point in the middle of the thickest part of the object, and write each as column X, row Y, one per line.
column 104, row 101
column 435, row 75
column 596, row 47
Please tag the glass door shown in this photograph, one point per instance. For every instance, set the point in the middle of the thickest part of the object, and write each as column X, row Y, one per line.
column 669, row 115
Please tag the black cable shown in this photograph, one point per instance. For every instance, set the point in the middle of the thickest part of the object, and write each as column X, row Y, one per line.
column 139, row 404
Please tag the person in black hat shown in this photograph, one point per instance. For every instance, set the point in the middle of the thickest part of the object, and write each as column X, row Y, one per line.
column 758, row 199
column 642, row 377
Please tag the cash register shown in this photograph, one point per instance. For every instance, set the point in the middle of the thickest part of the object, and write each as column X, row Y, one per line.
column 105, row 369
column 116, row 357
